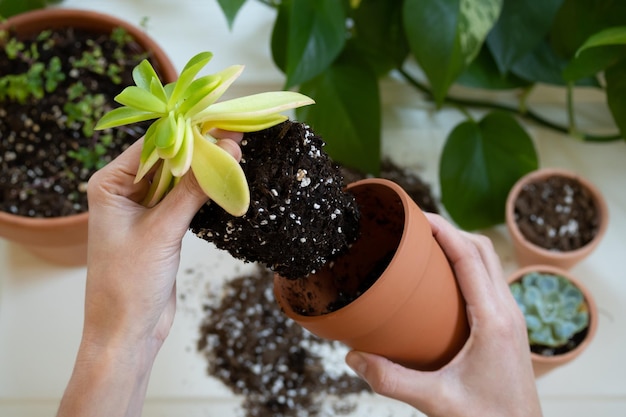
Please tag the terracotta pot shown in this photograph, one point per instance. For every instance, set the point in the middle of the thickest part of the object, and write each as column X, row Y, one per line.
column 528, row 253
column 413, row 313
column 63, row 240
column 544, row 364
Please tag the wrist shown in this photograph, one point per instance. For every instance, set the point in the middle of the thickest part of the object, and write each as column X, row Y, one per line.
column 107, row 371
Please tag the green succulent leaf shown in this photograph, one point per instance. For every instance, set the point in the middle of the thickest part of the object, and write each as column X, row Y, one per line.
column 181, row 163
column 160, row 185
column 199, row 96
column 123, row 116
column 479, row 165
column 149, row 153
column 187, row 75
column 220, row 176
column 144, row 75
column 251, row 113
column 141, row 99
column 166, row 136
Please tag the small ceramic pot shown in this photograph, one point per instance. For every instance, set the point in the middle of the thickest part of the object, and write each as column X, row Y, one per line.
column 63, row 240
column 544, row 364
column 413, row 313
column 529, row 253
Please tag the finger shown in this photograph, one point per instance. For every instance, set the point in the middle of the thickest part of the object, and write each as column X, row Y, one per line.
column 231, row 146
column 226, row 134
column 465, row 259
column 488, row 255
column 391, row 380
column 118, row 177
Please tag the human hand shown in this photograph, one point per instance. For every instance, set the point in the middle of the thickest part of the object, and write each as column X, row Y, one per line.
column 492, row 375
column 130, row 300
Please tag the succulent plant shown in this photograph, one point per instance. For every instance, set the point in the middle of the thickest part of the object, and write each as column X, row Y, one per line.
column 180, row 138
column 554, row 308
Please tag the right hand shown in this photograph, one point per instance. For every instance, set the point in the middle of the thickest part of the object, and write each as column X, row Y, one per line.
column 492, row 375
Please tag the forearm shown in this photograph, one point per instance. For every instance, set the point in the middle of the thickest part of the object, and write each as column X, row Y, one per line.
column 107, row 381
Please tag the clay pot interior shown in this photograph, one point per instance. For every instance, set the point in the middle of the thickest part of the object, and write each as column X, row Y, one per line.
column 380, row 233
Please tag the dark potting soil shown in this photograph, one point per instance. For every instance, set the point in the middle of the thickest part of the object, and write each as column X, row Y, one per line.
column 299, row 217
column 557, row 213
column 47, row 148
column 280, row 369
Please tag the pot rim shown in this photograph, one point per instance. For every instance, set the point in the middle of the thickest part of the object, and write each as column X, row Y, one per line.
column 542, row 173
column 591, row 305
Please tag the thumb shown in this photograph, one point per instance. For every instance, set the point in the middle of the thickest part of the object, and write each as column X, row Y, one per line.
column 392, row 380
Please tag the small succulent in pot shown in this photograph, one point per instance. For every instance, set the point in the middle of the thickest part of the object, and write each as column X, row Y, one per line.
column 555, row 311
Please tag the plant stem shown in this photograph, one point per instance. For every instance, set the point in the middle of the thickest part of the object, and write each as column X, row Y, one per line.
column 523, row 111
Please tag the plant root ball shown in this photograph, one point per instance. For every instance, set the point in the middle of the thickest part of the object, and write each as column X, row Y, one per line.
column 299, row 218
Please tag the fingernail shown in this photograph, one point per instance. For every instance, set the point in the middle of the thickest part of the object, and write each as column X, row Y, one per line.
column 357, row 363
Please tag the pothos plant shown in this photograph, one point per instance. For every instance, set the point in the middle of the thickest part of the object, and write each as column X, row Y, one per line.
column 185, row 113
column 337, row 52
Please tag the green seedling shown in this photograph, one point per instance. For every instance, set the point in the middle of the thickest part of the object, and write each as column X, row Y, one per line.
column 185, row 113
column 554, row 308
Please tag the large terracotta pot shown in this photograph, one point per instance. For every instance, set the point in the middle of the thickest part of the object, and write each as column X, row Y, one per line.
column 63, row 240
column 544, row 364
column 528, row 253
column 413, row 314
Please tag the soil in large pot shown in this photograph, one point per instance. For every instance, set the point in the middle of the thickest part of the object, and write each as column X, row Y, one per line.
column 48, row 149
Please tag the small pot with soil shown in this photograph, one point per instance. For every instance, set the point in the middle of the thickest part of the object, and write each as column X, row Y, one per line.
column 555, row 217
column 561, row 314
column 48, row 102
column 392, row 292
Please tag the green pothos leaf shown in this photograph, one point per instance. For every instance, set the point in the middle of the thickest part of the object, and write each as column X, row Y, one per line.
column 446, row 35
column 230, row 8
column 347, row 114
column 480, row 163
column 308, row 35
column 616, row 93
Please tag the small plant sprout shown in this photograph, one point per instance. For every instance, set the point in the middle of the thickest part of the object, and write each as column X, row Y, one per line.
column 180, row 138
column 554, row 308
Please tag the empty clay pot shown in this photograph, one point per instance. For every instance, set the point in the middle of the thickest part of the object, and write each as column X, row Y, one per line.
column 413, row 313
column 529, row 253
